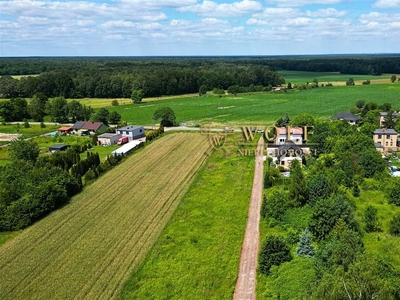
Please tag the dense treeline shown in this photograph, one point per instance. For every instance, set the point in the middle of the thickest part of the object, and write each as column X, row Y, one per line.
column 317, row 207
column 116, row 78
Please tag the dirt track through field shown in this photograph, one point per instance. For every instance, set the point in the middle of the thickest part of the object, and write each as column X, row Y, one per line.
column 246, row 282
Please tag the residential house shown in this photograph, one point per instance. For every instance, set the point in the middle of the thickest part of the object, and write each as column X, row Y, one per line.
column 385, row 139
column 106, row 139
column 349, row 117
column 383, row 115
column 284, row 134
column 83, row 128
column 132, row 132
column 284, row 154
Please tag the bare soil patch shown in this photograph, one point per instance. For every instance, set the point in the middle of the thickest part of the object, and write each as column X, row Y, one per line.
column 8, row 136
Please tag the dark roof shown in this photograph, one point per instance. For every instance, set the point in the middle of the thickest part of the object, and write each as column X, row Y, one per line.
column 385, row 131
column 346, row 116
column 58, row 147
column 289, row 145
column 130, row 128
column 378, row 145
column 87, row 125
column 108, row 135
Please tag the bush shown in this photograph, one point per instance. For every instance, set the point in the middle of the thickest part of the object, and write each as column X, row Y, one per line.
column 114, row 103
column 90, row 175
column 392, row 191
column 371, row 219
column 273, row 253
column 394, row 225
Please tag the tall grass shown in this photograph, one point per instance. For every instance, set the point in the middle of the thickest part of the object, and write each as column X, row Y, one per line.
column 198, row 253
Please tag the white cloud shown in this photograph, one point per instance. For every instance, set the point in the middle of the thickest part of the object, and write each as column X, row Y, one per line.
column 326, row 13
column 387, row 4
column 211, row 8
column 288, row 3
column 155, row 4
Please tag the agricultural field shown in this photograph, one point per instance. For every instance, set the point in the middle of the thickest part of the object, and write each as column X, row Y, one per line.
column 89, row 248
column 335, row 77
column 262, row 108
column 197, row 255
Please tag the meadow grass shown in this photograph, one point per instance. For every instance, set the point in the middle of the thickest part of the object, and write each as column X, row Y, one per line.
column 90, row 247
column 33, row 130
column 197, row 255
column 262, row 108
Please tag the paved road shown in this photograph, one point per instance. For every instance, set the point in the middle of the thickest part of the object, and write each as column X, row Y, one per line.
column 246, row 283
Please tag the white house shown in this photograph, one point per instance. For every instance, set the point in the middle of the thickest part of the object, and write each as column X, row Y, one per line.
column 294, row 134
column 108, row 138
column 132, row 132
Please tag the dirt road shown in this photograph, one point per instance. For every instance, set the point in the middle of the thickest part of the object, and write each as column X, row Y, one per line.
column 246, row 282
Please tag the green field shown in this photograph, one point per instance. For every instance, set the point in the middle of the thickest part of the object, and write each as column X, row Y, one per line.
column 262, row 108
column 197, row 255
column 89, row 248
column 302, row 77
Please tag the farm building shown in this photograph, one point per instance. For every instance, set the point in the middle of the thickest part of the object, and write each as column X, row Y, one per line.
column 58, row 147
column 82, row 128
column 64, row 130
column 127, row 148
column 132, row 132
column 108, row 138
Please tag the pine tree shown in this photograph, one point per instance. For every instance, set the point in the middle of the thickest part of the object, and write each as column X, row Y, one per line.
column 304, row 246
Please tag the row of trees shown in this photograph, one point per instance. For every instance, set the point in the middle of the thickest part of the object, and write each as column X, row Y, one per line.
column 328, row 241
column 59, row 110
column 141, row 77
column 347, row 64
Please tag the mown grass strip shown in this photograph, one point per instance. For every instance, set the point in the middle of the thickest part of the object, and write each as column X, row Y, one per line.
column 90, row 247
column 197, row 255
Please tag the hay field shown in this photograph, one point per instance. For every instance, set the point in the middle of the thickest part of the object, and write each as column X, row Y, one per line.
column 89, row 248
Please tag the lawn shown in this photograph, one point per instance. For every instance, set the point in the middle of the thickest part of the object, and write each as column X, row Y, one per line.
column 262, row 108
column 90, row 247
column 197, row 255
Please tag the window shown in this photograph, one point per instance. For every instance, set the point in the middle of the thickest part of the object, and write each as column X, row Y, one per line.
column 379, row 136
column 388, row 136
column 281, row 140
column 387, row 143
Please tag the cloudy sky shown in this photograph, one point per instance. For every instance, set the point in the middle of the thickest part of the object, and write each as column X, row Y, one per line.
column 198, row 27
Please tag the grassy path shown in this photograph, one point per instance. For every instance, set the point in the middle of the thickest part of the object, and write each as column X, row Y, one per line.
column 89, row 248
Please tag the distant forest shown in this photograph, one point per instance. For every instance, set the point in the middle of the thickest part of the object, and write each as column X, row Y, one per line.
column 116, row 77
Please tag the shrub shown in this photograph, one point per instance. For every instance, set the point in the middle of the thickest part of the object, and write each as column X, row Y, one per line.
column 90, row 175
column 392, row 191
column 371, row 219
column 274, row 252
column 114, row 102
column 394, row 225
column 318, row 188
column 276, row 205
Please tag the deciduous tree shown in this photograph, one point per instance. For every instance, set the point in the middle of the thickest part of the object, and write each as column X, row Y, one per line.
column 273, row 252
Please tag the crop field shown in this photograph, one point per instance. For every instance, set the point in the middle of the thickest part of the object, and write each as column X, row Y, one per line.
column 334, row 77
column 102, row 102
column 89, row 248
column 263, row 108
column 197, row 255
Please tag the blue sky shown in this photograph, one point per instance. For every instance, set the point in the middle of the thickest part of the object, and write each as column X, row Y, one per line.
column 198, row 27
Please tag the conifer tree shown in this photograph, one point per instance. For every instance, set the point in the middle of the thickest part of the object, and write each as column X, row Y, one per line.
column 304, row 246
